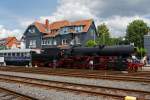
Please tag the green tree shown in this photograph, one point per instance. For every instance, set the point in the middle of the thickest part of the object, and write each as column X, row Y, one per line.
column 114, row 41
column 103, row 34
column 90, row 43
column 136, row 31
column 141, row 51
column 3, row 47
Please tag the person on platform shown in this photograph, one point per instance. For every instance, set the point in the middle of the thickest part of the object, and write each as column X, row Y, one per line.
column 91, row 64
column 144, row 60
column 135, row 59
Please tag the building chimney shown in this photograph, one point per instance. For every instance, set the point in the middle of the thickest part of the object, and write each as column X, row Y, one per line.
column 46, row 23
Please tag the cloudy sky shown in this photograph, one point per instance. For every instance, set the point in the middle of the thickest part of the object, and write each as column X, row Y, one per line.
column 16, row 15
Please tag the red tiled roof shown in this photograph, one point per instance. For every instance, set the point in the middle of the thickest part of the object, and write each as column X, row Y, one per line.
column 58, row 24
column 85, row 23
column 40, row 26
column 10, row 41
column 55, row 26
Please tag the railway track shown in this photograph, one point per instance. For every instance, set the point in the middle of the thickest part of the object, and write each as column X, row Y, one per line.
column 60, row 70
column 7, row 94
column 117, row 93
column 136, row 77
column 141, row 74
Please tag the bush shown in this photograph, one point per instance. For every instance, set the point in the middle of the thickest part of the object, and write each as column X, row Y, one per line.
column 91, row 43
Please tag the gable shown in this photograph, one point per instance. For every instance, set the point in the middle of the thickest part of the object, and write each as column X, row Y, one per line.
column 32, row 30
column 92, row 28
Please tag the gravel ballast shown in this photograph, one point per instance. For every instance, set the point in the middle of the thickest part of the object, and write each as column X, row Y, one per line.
column 99, row 82
column 45, row 94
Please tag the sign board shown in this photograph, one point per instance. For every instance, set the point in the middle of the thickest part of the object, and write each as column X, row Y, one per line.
column 2, row 59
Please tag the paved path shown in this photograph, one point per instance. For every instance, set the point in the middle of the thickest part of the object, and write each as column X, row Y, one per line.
column 147, row 68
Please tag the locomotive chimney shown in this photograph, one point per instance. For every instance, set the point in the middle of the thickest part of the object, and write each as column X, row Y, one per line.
column 46, row 23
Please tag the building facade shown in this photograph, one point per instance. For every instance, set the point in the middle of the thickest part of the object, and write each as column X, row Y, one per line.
column 9, row 43
column 60, row 33
column 147, row 43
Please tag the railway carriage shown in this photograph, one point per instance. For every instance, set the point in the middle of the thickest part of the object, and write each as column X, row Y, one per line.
column 17, row 56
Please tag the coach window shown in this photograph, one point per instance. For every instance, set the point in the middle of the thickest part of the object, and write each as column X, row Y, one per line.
column 9, row 54
column 22, row 54
column 27, row 54
column 4, row 54
column 13, row 54
column 1, row 54
column 18, row 54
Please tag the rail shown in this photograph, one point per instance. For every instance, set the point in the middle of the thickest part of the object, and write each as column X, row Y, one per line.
column 75, row 87
column 23, row 96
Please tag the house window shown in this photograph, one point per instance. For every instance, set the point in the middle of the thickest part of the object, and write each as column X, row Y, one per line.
column 77, row 39
column 50, row 42
column 44, row 42
column 78, row 28
column 48, row 30
column 64, row 41
column 32, row 43
column 47, row 42
column 64, row 30
column 32, row 30
column 92, row 32
column 55, row 42
column 72, row 42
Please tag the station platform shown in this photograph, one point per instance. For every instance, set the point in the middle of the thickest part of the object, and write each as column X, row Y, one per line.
column 146, row 68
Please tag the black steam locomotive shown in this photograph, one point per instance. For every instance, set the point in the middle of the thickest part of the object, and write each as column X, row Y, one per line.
column 99, row 57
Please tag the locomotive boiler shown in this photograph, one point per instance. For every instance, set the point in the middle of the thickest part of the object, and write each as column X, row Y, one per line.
column 120, row 50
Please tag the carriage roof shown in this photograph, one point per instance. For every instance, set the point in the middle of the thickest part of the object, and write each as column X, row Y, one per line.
column 16, row 50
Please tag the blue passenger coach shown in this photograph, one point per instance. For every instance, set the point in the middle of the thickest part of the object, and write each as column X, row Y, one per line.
column 17, row 56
